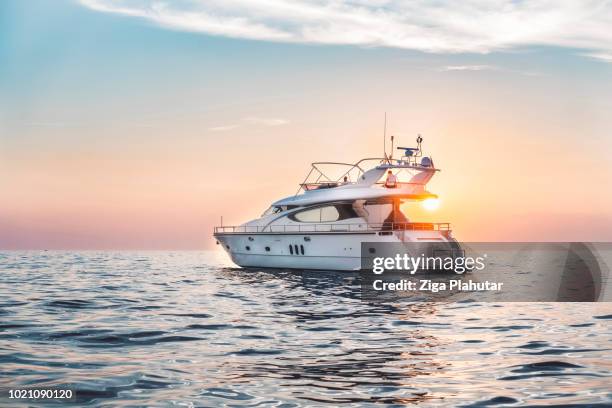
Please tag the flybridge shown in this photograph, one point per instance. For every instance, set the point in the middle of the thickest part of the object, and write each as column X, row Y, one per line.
column 335, row 181
column 325, row 175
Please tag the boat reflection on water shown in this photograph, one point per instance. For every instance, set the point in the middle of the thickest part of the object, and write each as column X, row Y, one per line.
column 374, row 364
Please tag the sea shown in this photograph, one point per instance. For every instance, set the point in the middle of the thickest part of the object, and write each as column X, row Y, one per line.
column 189, row 329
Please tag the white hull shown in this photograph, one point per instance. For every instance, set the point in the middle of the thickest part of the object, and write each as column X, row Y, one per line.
column 319, row 251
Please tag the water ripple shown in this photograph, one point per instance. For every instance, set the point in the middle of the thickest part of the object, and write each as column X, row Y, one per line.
column 186, row 328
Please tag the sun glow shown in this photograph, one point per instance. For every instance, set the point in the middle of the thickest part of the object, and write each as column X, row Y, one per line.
column 431, row 204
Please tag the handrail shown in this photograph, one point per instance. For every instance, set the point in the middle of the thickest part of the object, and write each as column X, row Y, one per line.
column 320, row 227
column 334, row 184
column 409, row 163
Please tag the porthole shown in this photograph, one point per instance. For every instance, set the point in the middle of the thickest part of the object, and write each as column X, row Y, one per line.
column 302, row 249
column 291, row 249
column 372, row 250
column 295, row 249
column 267, row 249
column 248, row 248
column 307, row 239
column 251, row 238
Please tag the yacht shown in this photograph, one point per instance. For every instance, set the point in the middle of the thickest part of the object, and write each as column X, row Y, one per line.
column 323, row 225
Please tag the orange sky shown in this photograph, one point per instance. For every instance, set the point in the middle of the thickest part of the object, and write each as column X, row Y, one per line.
column 155, row 195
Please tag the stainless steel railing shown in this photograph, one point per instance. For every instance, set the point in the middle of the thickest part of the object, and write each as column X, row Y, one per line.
column 355, row 227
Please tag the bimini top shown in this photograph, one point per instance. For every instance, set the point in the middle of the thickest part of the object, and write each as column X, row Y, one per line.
column 355, row 183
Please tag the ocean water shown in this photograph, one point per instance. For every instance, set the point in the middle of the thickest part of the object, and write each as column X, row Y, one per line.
column 189, row 329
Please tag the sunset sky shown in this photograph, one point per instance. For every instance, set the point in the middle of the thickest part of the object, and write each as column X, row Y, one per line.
column 138, row 124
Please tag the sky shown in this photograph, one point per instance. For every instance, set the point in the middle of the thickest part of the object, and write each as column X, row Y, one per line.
column 138, row 124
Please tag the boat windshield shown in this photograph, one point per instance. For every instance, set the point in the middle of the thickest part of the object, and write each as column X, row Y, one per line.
column 277, row 209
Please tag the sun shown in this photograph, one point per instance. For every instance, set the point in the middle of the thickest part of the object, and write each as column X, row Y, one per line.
column 431, row 204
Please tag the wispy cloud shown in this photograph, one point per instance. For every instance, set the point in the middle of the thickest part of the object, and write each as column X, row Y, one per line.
column 267, row 121
column 223, row 128
column 605, row 57
column 53, row 124
column 453, row 26
column 467, row 68
column 473, row 68
column 251, row 120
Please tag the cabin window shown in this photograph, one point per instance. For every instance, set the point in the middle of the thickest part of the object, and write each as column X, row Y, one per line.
column 272, row 210
column 291, row 249
column 329, row 213
column 302, row 249
column 313, row 215
column 346, row 211
column 276, row 209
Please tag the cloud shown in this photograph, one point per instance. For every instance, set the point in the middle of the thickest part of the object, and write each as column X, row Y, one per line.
column 468, row 68
column 223, row 128
column 600, row 56
column 477, row 26
column 267, row 121
column 473, row 68
column 252, row 120
column 52, row 124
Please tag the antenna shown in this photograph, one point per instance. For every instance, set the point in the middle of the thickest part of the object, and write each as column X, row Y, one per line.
column 385, row 137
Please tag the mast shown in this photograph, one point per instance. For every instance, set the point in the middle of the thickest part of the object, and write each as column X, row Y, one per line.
column 385, row 137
